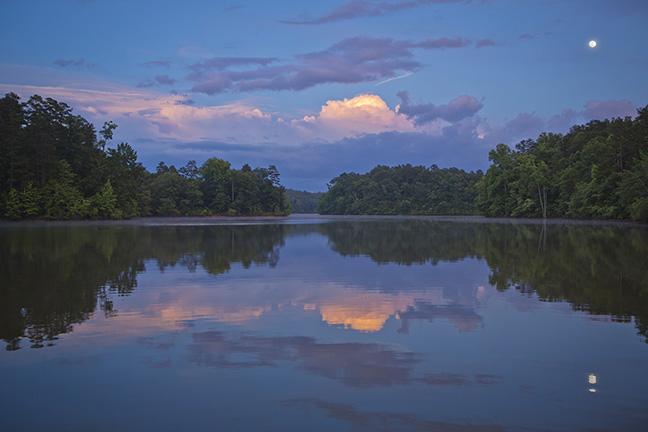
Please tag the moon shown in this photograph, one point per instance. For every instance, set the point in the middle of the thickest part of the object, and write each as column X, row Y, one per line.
column 592, row 44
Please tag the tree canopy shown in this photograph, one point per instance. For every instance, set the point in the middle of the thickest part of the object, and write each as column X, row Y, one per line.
column 303, row 201
column 404, row 189
column 55, row 165
column 597, row 170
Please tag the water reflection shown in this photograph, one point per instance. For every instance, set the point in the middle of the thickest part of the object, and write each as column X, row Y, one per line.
column 54, row 278
column 360, row 420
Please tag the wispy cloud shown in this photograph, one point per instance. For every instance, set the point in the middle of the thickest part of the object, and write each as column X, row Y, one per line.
column 364, row 8
column 352, row 60
column 405, row 75
column 158, row 63
column 157, row 80
column 483, row 43
column 74, row 63
column 221, row 63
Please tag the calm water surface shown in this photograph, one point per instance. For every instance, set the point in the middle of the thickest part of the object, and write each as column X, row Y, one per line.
column 324, row 324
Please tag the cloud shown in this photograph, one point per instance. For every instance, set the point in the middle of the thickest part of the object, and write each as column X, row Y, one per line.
column 354, row 364
column 483, row 43
column 363, row 114
column 352, row 60
column 221, row 63
column 157, row 80
column 365, row 8
column 163, row 117
column 76, row 63
column 463, row 317
column 605, row 109
column 360, row 420
column 526, row 36
column 158, row 63
column 351, row 134
column 164, row 80
column 457, row 109
column 405, row 75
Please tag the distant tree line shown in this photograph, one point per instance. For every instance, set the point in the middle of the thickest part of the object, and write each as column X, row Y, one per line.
column 598, row 170
column 404, row 189
column 54, row 165
column 302, row 201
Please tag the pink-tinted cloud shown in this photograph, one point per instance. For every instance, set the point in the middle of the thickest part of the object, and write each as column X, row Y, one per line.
column 363, row 114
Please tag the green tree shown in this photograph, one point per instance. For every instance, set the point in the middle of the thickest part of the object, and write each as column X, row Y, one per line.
column 63, row 199
column 104, row 204
column 217, row 185
column 30, row 201
column 13, row 207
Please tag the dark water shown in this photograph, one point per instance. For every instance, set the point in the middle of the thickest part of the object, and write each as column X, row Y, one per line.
column 368, row 325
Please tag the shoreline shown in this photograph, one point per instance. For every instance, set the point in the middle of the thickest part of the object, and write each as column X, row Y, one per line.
column 311, row 218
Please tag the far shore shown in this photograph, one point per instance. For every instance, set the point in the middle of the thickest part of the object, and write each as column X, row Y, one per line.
column 309, row 218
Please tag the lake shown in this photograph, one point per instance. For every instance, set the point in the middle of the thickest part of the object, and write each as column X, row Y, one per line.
column 320, row 324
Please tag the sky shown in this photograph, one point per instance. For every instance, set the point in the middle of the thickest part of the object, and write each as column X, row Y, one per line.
column 321, row 88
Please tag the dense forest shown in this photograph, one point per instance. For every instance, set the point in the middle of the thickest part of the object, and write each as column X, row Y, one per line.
column 54, row 165
column 598, row 170
column 403, row 189
column 302, row 201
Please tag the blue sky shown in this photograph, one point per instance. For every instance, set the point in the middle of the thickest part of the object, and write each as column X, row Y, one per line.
column 318, row 88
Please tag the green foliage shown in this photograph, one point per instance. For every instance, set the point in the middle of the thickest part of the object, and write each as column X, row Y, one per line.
column 54, row 164
column 104, row 203
column 597, row 170
column 302, row 201
column 63, row 199
column 30, row 201
column 404, row 189
column 174, row 195
column 128, row 177
column 216, row 184
column 12, row 207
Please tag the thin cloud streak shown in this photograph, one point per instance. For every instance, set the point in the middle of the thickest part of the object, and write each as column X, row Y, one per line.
column 405, row 75
column 365, row 8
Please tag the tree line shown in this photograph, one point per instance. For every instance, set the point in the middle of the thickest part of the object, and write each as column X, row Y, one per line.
column 54, row 165
column 303, row 201
column 598, row 170
column 404, row 189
